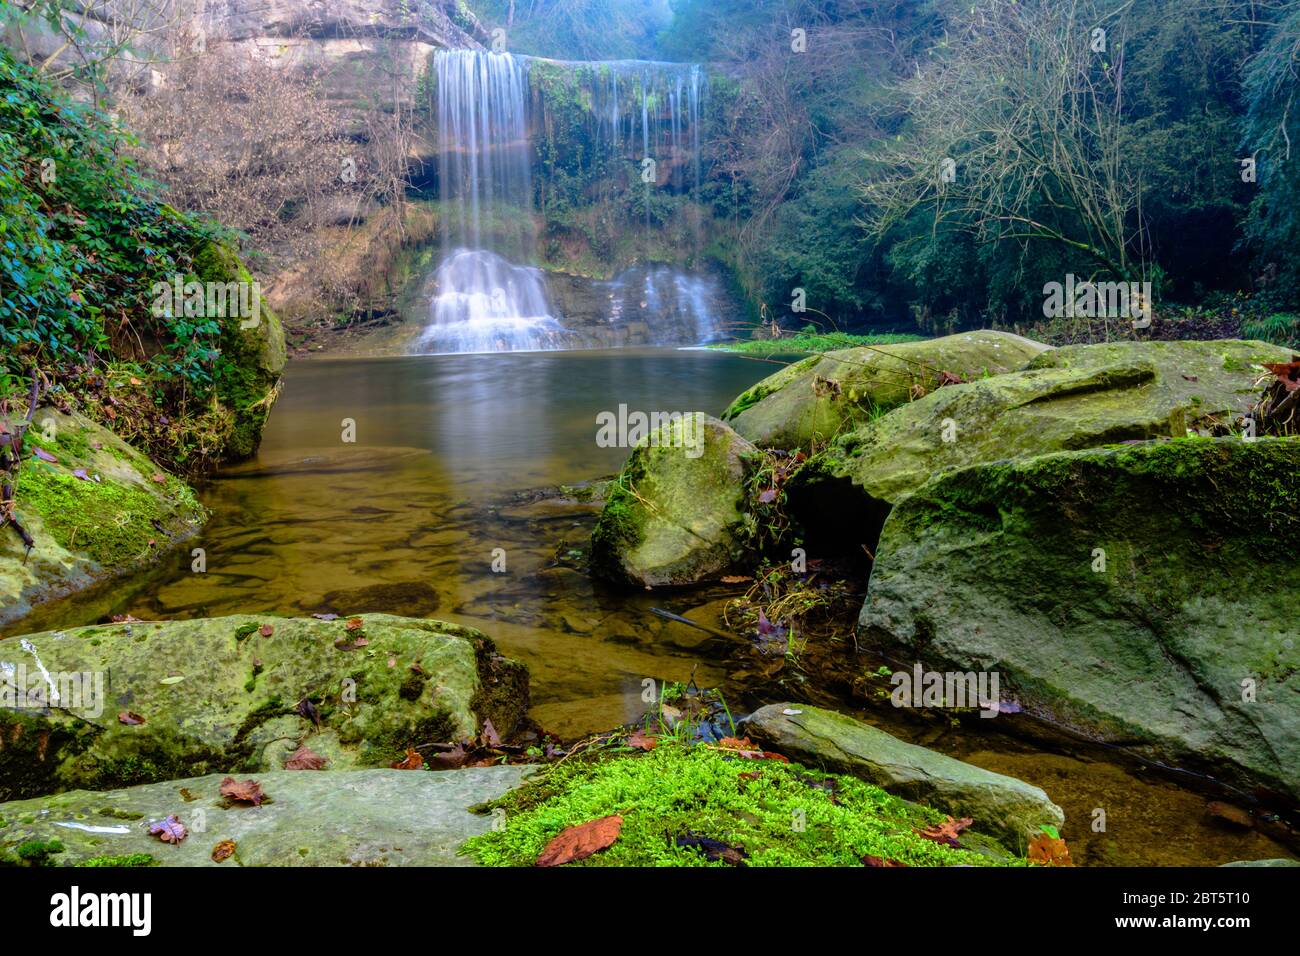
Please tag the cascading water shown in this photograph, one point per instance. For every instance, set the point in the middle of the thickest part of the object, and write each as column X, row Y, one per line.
column 485, row 296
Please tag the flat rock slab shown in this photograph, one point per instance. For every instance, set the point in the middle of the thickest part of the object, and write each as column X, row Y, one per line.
column 1005, row 808
column 309, row 818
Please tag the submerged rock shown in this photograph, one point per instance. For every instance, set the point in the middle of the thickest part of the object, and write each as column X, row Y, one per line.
column 1141, row 594
column 1082, row 396
column 357, row 818
column 99, row 510
column 142, row 702
column 823, row 396
column 1005, row 808
column 675, row 513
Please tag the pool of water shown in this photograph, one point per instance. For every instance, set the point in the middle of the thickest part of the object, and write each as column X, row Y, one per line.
column 409, row 516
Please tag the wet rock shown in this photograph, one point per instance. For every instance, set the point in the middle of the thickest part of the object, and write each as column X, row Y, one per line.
column 102, row 509
column 239, row 694
column 1276, row 861
column 1142, row 594
column 826, row 395
column 356, row 818
column 674, row 515
column 1002, row 807
column 1083, row 396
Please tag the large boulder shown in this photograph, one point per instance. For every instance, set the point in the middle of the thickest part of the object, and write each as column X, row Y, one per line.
column 1142, row 595
column 1002, row 807
column 1083, row 396
column 358, row 818
column 823, row 396
column 253, row 354
column 675, row 513
column 239, row 694
column 96, row 512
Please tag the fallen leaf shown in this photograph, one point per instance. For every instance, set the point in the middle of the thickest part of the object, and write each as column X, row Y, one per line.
column 223, row 851
column 413, row 761
column 870, row 860
column 714, row 850
column 1288, row 373
column 169, row 830
column 642, row 741
column 242, row 791
column 1230, row 814
column 43, row 455
column 135, row 381
column 736, row 579
column 580, row 842
column 266, row 630
column 1048, row 850
column 489, row 735
column 306, row 709
column 130, row 718
column 452, row 759
column 304, row 758
column 947, row 831
column 744, row 747
column 355, row 624
column 157, row 478
column 326, row 617
column 80, row 473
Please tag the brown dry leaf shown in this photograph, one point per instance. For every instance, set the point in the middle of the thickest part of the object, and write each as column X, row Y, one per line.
column 223, row 851
column 580, row 842
column 242, row 791
column 744, row 747
column 451, row 759
column 304, row 758
column 130, row 718
column 355, row 624
column 413, row 761
column 489, row 735
column 1230, row 814
column 1047, row 850
column 643, row 741
column 266, row 630
column 157, row 478
column 946, row 832
column 1288, row 373
column 870, row 860
column 736, row 579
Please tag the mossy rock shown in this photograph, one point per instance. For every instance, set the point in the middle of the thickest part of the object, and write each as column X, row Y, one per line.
column 253, row 358
column 1142, row 595
column 1009, row 810
column 765, row 812
column 672, row 516
column 350, row 818
column 217, row 695
column 1083, row 396
column 823, row 396
column 125, row 514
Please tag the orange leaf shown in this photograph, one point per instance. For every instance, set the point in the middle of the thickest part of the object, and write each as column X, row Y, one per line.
column 870, row 860
column 947, row 831
column 1047, row 850
column 580, row 842
column 413, row 760
column 223, row 851
column 242, row 791
column 355, row 624
column 642, row 741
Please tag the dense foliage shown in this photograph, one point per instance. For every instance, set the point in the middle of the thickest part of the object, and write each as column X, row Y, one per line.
column 84, row 239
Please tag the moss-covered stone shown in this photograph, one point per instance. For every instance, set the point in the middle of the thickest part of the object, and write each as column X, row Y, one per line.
column 190, row 681
column 252, row 358
column 675, row 515
column 1142, row 594
column 823, row 396
column 124, row 513
column 351, row 818
column 1084, row 397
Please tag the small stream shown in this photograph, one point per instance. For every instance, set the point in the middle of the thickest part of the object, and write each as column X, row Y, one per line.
column 447, row 452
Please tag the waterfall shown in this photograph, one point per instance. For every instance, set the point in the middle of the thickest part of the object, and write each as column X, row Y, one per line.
column 486, row 295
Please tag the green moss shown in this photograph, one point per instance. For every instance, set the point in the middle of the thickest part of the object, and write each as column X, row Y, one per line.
column 621, row 523
column 133, row 859
column 37, row 852
column 112, row 522
column 785, row 816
